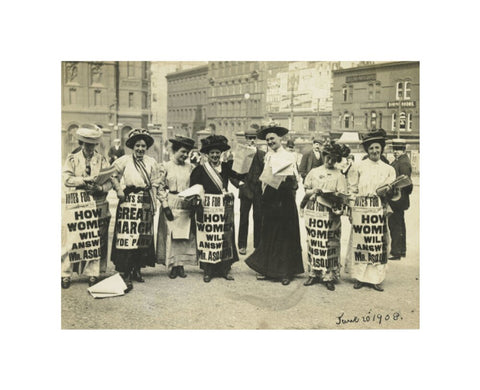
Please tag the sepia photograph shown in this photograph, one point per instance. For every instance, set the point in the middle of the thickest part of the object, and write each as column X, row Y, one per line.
column 240, row 194
column 214, row 194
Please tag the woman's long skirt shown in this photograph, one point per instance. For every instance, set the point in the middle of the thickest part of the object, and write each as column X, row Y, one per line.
column 133, row 240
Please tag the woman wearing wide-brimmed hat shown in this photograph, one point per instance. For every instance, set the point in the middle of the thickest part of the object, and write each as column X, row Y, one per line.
column 279, row 254
column 322, row 185
column 175, row 249
column 367, row 257
column 79, row 174
column 213, row 175
column 133, row 239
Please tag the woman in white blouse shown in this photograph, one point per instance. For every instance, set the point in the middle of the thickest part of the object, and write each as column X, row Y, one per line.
column 133, row 244
column 176, row 239
column 368, row 254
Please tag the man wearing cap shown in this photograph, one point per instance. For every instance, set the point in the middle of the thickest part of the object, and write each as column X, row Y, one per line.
column 79, row 174
column 250, row 193
column 311, row 159
column 290, row 147
column 396, row 222
column 279, row 255
column 213, row 175
column 115, row 151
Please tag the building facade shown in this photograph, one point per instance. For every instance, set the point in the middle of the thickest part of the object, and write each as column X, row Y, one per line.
column 384, row 95
column 236, row 97
column 114, row 95
column 187, row 101
column 159, row 88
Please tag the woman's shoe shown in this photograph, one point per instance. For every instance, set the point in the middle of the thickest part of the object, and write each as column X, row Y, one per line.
column 286, row 281
column 207, row 278
column 227, row 276
column 129, row 287
column 330, row 286
column 173, row 273
column 137, row 276
column 93, row 280
column 66, row 282
column 377, row 287
column 261, row 277
column 181, row 272
column 358, row 285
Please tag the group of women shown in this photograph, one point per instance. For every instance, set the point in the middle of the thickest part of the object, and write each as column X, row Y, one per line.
column 139, row 182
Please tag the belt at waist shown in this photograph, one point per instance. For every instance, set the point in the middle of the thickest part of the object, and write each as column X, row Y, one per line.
column 173, row 192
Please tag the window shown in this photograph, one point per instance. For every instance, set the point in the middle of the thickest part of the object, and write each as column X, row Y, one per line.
column 373, row 120
column 374, row 91
column 409, row 121
column 72, row 96
column 404, row 90
column 370, row 91
column 403, row 121
column 380, row 120
column 130, row 99
column 97, row 97
column 346, row 121
column 408, row 91
column 144, row 101
column 344, row 93
column 350, row 93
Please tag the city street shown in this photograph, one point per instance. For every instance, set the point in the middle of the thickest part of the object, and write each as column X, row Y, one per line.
column 163, row 303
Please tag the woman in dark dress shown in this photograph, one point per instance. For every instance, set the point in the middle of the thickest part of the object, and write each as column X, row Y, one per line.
column 213, row 175
column 279, row 255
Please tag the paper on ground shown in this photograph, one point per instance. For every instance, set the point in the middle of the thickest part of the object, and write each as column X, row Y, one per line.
column 113, row 286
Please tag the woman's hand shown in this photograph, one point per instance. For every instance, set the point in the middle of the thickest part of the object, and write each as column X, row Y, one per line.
column 120, row 195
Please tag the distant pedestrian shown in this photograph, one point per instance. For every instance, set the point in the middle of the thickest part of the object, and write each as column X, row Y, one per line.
column 396, row 221
column 116, row 150
column 311, row 159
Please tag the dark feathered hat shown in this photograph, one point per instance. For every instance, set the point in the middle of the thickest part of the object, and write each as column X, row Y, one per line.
column 183, row 141
column 214, row 142
column 379, row 136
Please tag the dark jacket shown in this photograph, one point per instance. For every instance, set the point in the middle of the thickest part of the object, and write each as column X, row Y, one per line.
column 252, row 186
column 402, row 166
column 200, row 176
column 114, row 152
column 309, row 161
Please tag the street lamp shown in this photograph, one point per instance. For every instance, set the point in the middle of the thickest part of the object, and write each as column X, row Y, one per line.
column 246, row 96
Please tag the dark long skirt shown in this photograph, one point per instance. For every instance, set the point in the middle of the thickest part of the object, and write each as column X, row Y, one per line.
column 126, row 260
column 279, row 254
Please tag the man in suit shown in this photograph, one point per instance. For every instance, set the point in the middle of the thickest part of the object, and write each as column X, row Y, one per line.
column 250, row 193
column 396, row 221
column 116, row 151
column 311, row 159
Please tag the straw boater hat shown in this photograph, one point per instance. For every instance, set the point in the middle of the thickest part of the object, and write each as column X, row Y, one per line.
column 399, row 144
column 214, row 142
column 183, row 141
column 379, row 136
column 271, row 128
column 89, row 134
column 137, row 134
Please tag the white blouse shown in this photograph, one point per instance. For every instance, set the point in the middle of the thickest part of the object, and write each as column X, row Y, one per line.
column 366, row 176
